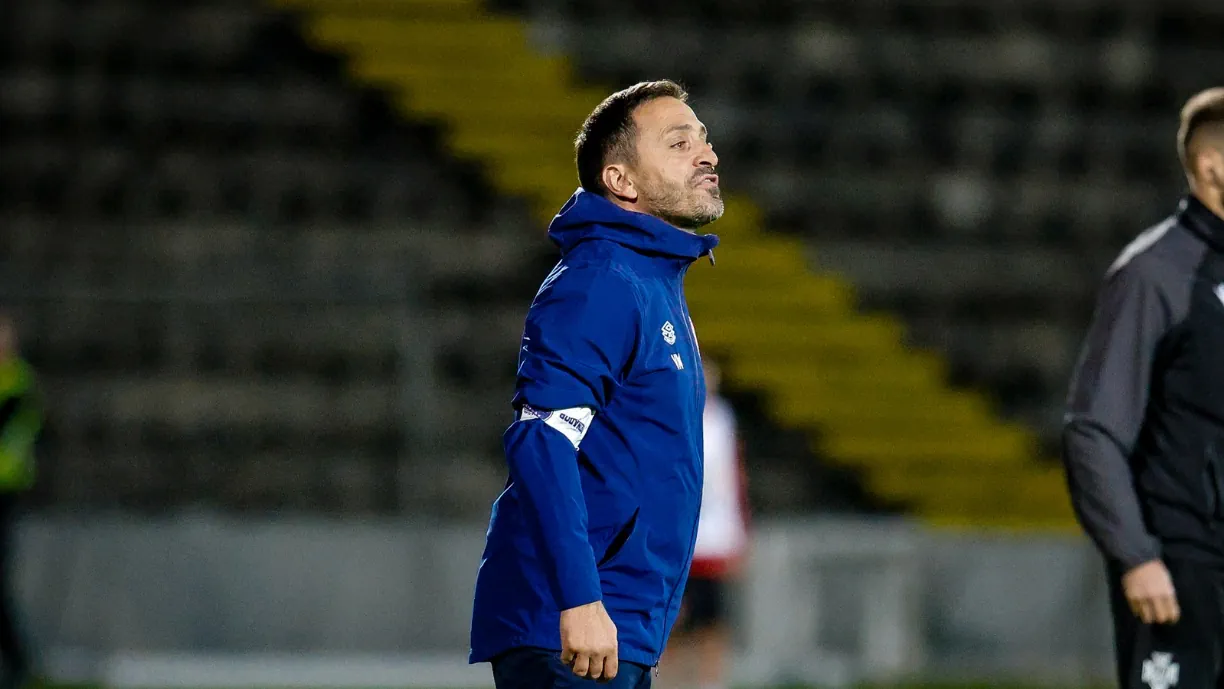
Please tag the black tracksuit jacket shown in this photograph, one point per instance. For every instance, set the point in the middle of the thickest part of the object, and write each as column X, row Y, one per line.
column 1143, row 440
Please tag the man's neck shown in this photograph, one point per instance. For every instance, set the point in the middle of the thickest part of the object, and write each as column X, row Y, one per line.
column 637, row 207
column 625, row 205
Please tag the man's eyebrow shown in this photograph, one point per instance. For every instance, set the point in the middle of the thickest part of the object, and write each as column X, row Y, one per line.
column 683, row 127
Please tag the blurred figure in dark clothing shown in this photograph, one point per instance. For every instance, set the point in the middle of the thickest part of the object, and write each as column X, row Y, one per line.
column 20, row 421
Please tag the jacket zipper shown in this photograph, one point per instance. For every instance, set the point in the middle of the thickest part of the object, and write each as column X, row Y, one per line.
column 671, row 599
column 693, row 401
column 1215, row 510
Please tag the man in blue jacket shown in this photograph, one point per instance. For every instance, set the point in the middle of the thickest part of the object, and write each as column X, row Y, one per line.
column 589, row 546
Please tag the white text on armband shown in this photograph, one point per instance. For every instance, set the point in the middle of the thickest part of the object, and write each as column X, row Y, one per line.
column 572, row 423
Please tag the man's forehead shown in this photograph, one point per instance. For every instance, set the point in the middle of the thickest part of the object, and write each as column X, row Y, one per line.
column 663, row 114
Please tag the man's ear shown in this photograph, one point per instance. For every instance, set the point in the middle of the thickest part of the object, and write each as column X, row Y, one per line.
column 1212, row 165
column 1199, row 167
column 617, row 181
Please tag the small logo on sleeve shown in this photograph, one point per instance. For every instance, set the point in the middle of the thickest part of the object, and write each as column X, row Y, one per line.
column 678, row 362
column 669, row 333
column 572, row 423
column 530, row 412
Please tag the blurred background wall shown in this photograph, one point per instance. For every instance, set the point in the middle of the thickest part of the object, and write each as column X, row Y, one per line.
column 270, row 262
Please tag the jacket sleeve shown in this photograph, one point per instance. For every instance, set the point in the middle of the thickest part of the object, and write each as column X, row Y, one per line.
column 580, row 336
column 1106, row 406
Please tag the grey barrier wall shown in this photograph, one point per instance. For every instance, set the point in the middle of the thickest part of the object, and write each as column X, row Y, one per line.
column 830, row 601
column 203, row 583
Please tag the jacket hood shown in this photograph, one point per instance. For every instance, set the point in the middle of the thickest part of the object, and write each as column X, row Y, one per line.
column 586, row 216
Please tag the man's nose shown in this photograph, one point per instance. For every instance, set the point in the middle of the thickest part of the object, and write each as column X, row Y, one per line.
column 707, row 157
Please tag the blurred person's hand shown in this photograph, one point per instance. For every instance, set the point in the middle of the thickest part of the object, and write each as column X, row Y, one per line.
column 588, row 642
column 1149, row 591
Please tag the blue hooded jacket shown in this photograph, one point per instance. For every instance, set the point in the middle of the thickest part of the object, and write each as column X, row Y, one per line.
column 601, row 508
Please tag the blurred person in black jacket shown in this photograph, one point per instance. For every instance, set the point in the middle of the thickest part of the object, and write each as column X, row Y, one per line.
column 1143, row 441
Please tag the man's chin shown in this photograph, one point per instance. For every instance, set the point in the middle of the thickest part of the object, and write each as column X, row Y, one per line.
column 715, row 210
column 706, row 216
column 699, row 213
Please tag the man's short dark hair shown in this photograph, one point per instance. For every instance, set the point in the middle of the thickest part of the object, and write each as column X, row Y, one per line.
column 1206, row 109
column 609, row 133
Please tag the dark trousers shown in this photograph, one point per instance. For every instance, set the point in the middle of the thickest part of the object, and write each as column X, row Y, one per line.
column 13, row 654
column 1186, row 655
column 536, row 668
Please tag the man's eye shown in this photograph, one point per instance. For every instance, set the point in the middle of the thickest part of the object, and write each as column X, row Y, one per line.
column 680, row 144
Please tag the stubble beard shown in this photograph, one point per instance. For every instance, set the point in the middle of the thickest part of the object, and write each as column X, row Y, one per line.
column 687, row 207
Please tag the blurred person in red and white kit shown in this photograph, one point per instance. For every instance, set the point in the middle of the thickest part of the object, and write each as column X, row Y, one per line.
column 701, row 647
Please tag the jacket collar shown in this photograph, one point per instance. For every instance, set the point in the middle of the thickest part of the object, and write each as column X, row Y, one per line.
column 587, row 216
column 1202, row 221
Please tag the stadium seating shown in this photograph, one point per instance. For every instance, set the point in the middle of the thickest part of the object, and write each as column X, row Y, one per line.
column 973, row 166
column 847, row 378
column 244, row 282
column 209, row 209
column 970, row 166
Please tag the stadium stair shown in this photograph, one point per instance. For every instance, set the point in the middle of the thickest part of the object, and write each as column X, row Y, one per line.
column 867, row 401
